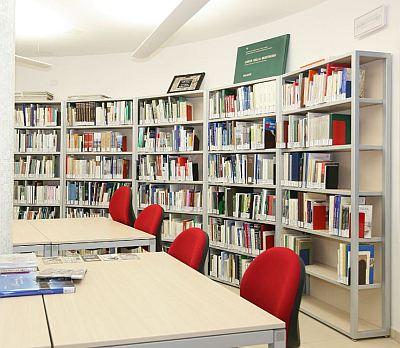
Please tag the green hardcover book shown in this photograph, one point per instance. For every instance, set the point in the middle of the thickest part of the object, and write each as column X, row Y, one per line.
column 262, row 59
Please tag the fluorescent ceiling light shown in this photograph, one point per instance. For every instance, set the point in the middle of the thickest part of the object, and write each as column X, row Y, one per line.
column 34, row 19
column 145, row 12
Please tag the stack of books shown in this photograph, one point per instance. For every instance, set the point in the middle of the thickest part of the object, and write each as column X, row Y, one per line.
column 33, row 96
column 19, row 277
column 35, row 141
column 37, row 193
column 37, row 168
column 28, row 213
column 173, row 226
column 301, row 244
column 96, row 141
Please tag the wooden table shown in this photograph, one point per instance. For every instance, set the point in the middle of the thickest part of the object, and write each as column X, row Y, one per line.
column 155, row 301
column 26, row 238
column 23, row 323
column 82, row 233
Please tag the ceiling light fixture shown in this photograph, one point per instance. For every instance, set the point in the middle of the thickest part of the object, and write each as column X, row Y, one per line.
column 34, row 20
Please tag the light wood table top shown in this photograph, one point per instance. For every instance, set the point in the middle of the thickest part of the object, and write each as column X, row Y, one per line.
column 81, row 230
column 25, row 234
column 23, row 322
column 152, row 298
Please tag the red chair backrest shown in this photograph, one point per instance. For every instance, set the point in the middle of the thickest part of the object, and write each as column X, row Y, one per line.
column 149, row 220
column 190, row 247
column 120, row 207
column 273, row 281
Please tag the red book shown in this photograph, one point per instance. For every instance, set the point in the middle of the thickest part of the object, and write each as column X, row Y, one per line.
column 90, row 141
column 85, row 141
column 267, row 237
column 181, row 161
column 189, row 112
column 125, row 169
column 124, row 143
column 319, row 217
column 361, row 225
column 285, row 131
column 338, row 132
column 330, row 67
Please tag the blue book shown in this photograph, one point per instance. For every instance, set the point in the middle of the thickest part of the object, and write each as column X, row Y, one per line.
column 295, row 159
column 26, row 284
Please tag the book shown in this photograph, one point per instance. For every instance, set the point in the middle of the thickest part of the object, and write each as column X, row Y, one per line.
column 300, row 243
column 26, row 284
column 18, row 263
column 61, row 274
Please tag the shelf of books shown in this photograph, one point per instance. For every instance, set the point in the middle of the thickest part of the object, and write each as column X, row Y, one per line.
column 170, row 156
column 334, row 139
column 37, row 164
column 241, row 184
column 98, row 155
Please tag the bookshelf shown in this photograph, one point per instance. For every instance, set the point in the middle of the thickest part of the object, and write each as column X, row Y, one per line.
column 98, row 154
column 240, row 124
column 170, row 155
column 362, row 183
column 38, row 168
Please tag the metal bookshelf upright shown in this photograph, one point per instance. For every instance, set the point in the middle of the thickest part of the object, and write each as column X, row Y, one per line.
column 30, row 110
column 197, row 100
column 255, row 117
column 358, row 311
column 126, row 129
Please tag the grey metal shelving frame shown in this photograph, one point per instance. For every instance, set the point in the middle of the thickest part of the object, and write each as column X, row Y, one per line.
column 351, row 324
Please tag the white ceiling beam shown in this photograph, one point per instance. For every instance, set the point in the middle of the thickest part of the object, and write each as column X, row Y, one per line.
column 175, row 20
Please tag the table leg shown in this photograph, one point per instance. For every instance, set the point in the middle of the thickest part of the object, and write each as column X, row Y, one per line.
column 152, row 245
column 47, row 250
column 279, row 339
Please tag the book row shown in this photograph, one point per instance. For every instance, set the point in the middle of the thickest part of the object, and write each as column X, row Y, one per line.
column 241, row 236
column 227, row 266
column 28, row 213
column 86, row 213
column 313, row 130
column 41, row 167
column 301, row 244
column 180, row 138
column 35, row 115
column 366, row 264
column 229, row 202
column 171, row 198
column 328, row 84
column 320, row 212
column 242, row 135
column 100, row 113
column 173, row 226
column 246, row 100
column 96, row 141
column 35, row 141
column 165, row 110
column 310, row 170
column 100, row 167
column 91, row 193
column 37, row 194
column 167, row 167
column 241, row 169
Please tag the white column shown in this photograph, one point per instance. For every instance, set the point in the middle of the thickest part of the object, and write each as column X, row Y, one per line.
column 7, row 83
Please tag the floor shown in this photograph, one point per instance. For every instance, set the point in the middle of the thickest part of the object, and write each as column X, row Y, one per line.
column 316, row 335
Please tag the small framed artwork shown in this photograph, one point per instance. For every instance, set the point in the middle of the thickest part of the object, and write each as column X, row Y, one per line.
column 184, row 83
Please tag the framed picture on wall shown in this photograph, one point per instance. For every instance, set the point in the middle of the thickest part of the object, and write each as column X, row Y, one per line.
column 184, row 83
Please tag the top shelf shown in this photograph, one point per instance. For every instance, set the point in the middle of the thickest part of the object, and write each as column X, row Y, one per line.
column 340, row 105
column 365, row 57
column 188, row 94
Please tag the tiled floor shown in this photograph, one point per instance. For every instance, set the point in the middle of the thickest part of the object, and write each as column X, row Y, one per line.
column 313, row 334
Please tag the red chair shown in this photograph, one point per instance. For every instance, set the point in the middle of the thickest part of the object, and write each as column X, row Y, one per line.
column 149, row 221
column 274, row 281
column 191, row 247
column 120, row 207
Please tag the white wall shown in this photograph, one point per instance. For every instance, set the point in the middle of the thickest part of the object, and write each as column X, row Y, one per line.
column 324, row 30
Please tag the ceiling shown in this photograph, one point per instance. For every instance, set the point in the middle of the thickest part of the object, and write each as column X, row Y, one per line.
column 82, row 27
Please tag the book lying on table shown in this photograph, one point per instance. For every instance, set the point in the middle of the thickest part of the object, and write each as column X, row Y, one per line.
column 61, row 274
column 26, row 284
column 18, row 263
